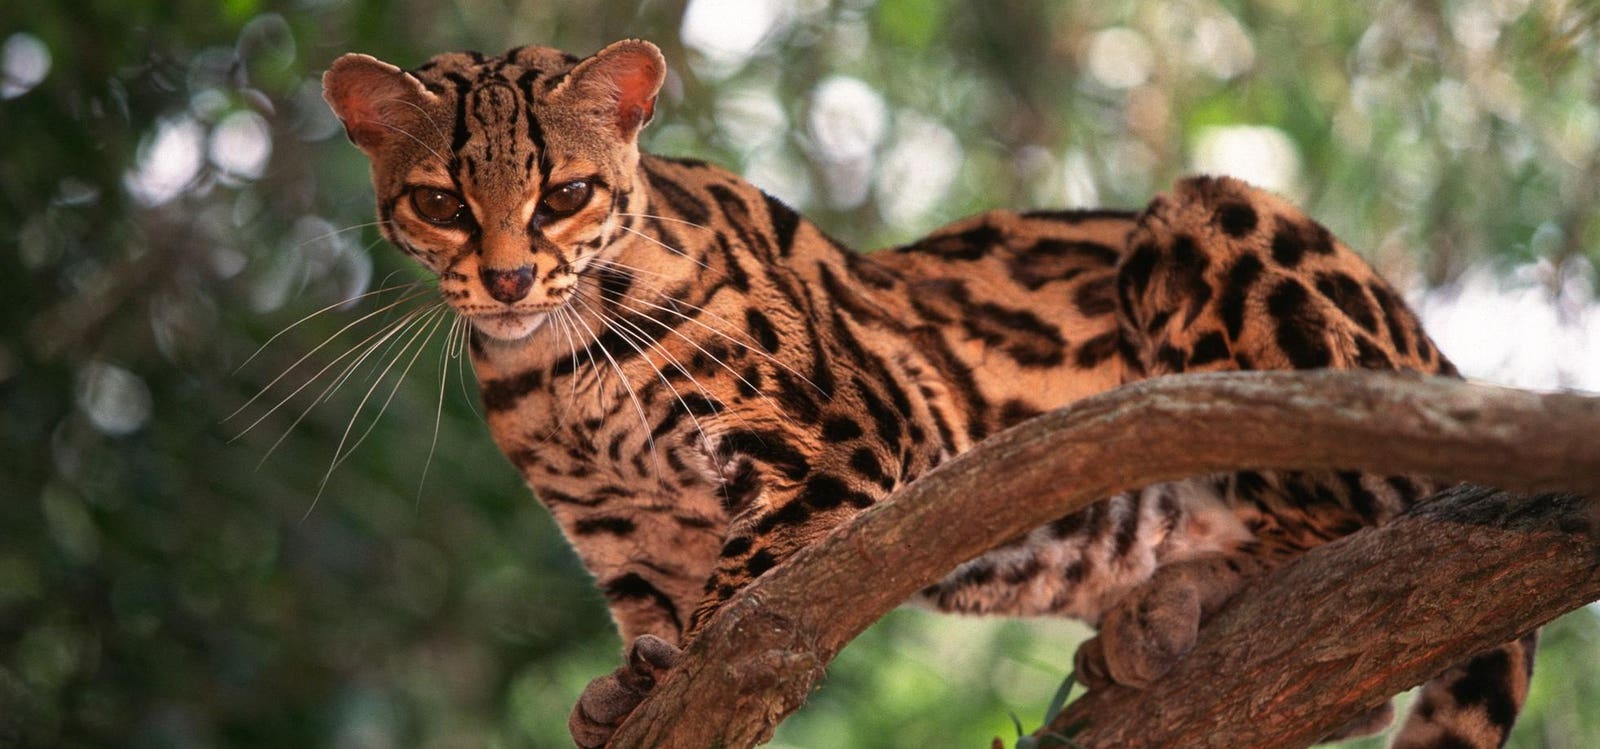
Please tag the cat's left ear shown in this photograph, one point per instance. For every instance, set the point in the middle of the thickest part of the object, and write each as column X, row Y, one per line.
column 627, row 75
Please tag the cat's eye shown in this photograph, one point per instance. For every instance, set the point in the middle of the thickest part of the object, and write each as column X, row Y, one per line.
column 566, row 198
column 437, row 206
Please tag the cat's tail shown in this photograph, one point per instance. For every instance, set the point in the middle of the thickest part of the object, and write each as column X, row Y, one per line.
column 1474, row 704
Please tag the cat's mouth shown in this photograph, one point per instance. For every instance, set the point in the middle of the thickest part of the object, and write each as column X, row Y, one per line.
column 510, row 321
column 510, row 325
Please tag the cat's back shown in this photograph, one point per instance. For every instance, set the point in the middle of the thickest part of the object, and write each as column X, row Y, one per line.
column 1029, row 244
column 1025, row 300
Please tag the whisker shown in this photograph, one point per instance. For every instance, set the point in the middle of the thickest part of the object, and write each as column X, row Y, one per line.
column 594, row 366
column 438, row 412
column 566, row 405
column 705, row 441
column 268, row 387
column 568, row 329
column 419, row 142
column 725, row 336
column 572, row 344
column 632, row 269
column 436, row 129
column 349, row 372
column 664, row 295
column 329, row 308
column 337, row 232
column 461, row 357
column 668, row 328
column 644, row 421
column 433, row 318
column 667, row 247
column 386, row 333
column 608, row 263
column 641, row 335
column 645, row 338
column 759, row 353
column 425, row 331
column 668, row 218
column 567, row 319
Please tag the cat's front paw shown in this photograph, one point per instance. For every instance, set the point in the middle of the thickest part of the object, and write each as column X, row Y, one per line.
column 608, row 700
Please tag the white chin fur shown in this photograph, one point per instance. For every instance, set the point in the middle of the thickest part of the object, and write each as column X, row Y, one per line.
column 510, row 328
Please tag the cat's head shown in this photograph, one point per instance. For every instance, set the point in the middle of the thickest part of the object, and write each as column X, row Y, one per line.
column 503, row 175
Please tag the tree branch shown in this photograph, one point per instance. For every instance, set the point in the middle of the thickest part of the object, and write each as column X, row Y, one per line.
column 1338, row 631
column 756, row 661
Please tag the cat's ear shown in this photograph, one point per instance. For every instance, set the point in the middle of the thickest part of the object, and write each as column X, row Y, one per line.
column 374, row 100
column 626, row 75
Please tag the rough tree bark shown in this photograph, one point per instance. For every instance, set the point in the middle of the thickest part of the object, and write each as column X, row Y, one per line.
column 760, row 656
column 1349, row 624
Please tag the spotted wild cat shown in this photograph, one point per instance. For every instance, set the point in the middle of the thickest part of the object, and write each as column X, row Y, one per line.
column 697, row 381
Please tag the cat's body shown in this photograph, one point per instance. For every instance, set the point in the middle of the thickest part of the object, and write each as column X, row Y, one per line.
column 698, row 382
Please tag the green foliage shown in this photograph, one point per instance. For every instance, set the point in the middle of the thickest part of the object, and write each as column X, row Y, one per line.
column 167, row 582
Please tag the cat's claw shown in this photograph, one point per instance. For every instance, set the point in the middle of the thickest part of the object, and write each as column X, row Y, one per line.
column 608, row 700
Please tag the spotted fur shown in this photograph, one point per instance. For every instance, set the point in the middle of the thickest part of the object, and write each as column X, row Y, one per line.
column 697, row 382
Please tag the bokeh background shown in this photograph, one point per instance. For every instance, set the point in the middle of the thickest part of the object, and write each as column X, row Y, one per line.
column 174, row 195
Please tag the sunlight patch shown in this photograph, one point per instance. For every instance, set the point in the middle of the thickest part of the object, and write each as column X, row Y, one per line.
column 168, row 162
column 727, row 32
column 1513, row 331
column 847, row 121
column 918, row 170
column 116, row 400
column 1120, row 58
column 1263, row 156
column 241, row 144
column 24, row 62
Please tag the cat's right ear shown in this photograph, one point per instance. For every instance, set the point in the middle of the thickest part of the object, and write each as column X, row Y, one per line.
column 374, row 100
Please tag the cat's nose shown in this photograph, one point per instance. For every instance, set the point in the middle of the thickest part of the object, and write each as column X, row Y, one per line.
column 508, row 286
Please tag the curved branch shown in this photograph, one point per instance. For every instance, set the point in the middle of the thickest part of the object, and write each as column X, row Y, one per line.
column 756, row 661
column 1353, row 622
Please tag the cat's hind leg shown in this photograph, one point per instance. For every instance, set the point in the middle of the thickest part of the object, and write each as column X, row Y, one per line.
column 1220, row 276
column 1146, row 632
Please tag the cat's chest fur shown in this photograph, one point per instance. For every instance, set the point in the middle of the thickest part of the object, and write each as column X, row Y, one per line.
column 643, row 513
